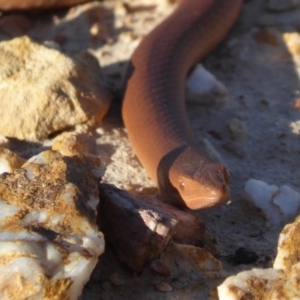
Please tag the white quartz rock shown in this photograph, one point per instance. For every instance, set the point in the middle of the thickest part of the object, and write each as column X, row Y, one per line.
column 49, row 240
column 288, row 250
column 288, row 202
column 203, row 87
column 261, row 194
column 280, row 205
column 278, row 283
column 262, row 284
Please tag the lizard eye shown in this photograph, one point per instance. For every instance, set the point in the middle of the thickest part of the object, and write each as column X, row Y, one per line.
column 181, row 185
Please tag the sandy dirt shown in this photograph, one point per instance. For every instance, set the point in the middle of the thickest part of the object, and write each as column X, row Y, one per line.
column 262, row 77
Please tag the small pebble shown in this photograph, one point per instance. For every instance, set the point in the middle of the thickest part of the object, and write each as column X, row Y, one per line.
column 95, row 30
column 117, row 280
column 279, row 204
column 267, row 36
column 255, row 233
column 203, row 87
column 243, row 256
column 288, row 202
column 265, row 101
column 296, row 104
column 237, row 129
column 215, row 134
column 163, row 287
column 160, row 268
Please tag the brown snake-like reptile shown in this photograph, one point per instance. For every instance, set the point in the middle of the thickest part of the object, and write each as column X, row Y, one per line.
column 153, row 108
column 154, row 111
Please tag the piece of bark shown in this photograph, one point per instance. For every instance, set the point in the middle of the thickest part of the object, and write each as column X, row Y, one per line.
column 189, row 228
column 138, row 231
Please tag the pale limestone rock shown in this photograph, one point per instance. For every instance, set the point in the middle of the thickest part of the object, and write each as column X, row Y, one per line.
column 288, row 246
column 280, row 205
column 9, row 161
column 203, row 87
column 262, row 284
column 163, row 287
column 43, row 91
column 31, row 4
column 288, row 201
column 278, row 283
column 70, row 144
column 237, row 129
column 49, row 241
column 261, row 194
column 292, row 41
column 199, row 258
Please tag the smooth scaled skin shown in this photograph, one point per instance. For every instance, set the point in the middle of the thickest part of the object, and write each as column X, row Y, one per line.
column 154, row 111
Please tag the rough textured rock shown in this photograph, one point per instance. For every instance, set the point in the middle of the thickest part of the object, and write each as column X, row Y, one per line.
column 49, row 241
column 292, row 41
column 9, row 161
column 199, row 258
column 203, row 87
column 163, row 287
column 45, row 91
column 25, row 4
column 281, row 282
column 262, row 284
column 280, row 205
column 288, row 246
column 237, row 129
